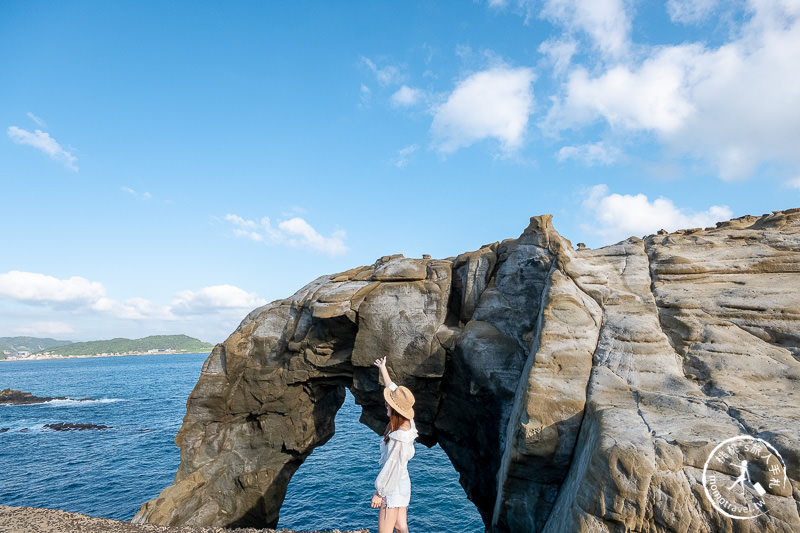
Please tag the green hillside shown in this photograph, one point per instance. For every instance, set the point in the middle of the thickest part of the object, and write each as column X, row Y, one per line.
column 173, row 343
column 28, row 344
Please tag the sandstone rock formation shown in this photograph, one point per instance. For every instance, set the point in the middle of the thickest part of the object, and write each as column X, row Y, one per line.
column 574, row 390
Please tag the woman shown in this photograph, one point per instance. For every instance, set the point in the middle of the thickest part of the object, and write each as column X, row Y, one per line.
column 393, row 486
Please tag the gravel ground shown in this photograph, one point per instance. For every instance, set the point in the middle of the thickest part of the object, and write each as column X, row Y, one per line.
column 36, row 520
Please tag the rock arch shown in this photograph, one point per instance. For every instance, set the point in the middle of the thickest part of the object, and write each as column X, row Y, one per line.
column 268, row 395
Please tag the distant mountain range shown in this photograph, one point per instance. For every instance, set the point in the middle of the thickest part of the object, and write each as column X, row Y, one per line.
column 154, row 344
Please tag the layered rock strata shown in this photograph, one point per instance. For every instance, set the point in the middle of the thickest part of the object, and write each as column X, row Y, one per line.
column 573, row 390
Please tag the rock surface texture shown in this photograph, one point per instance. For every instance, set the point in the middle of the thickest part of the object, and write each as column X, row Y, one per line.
column 573, row 390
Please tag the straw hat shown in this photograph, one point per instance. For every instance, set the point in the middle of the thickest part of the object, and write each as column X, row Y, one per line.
column 401, row 400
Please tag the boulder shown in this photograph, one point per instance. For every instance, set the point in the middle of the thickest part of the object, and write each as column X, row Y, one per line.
column 16, row 397
column 67, row 426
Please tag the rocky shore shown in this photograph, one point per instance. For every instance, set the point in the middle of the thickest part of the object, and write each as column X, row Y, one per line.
column 37, row 520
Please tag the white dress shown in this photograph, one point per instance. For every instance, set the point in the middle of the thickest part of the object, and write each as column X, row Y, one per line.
column 393, row 483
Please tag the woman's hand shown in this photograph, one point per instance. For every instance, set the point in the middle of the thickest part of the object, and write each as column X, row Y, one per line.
column 381, row 364
column 376, row 502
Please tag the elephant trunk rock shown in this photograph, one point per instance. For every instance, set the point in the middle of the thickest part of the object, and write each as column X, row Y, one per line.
column 573, row 390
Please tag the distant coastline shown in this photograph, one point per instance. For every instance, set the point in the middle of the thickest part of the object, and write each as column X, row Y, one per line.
column 29, row 348
column 45, row 357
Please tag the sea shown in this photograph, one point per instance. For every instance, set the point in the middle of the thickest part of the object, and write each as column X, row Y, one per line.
column 142, row 399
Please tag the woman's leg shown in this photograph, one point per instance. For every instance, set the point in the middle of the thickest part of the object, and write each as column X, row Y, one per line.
column 401, row 524
column 387, row 519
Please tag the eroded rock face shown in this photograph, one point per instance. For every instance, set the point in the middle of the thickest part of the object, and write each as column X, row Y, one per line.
column 573, row 390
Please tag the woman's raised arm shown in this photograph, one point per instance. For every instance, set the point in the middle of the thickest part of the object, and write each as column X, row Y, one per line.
column 381, row 364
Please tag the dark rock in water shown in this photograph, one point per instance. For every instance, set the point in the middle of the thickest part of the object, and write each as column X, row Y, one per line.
column 578, row 391
column 15, row 397
column 3, row 430
column 64, row 426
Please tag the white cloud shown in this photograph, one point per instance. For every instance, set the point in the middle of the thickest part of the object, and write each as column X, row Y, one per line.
column 259, row 231
column 793, row 183
column 690, row 11
column 404, row 154
column 619, row 216
column 494, row 103
column 86, row 298
column 43, row 142
column 213, row 299
column 653, row 96
column 302, row 235
column 145, row 195
column 590, row 154
column 39, row 122
column 133, row 309
column 733, row 107
column 75, row 293
column 606, row 22
column 406, row 96
column 294, row 232
column 747, row 100
column 34, row 288
column 386, row 75
column 366, row 96
column 559, row 52
column 523, row 7
column 45, row 329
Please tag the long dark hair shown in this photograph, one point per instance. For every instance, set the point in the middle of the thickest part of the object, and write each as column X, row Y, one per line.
column 395, row 421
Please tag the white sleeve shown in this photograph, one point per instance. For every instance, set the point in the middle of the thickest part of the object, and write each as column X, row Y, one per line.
column 392, row 385
column 392, row 470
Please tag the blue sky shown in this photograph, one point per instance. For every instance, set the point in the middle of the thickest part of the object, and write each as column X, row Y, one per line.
column 168, row 166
